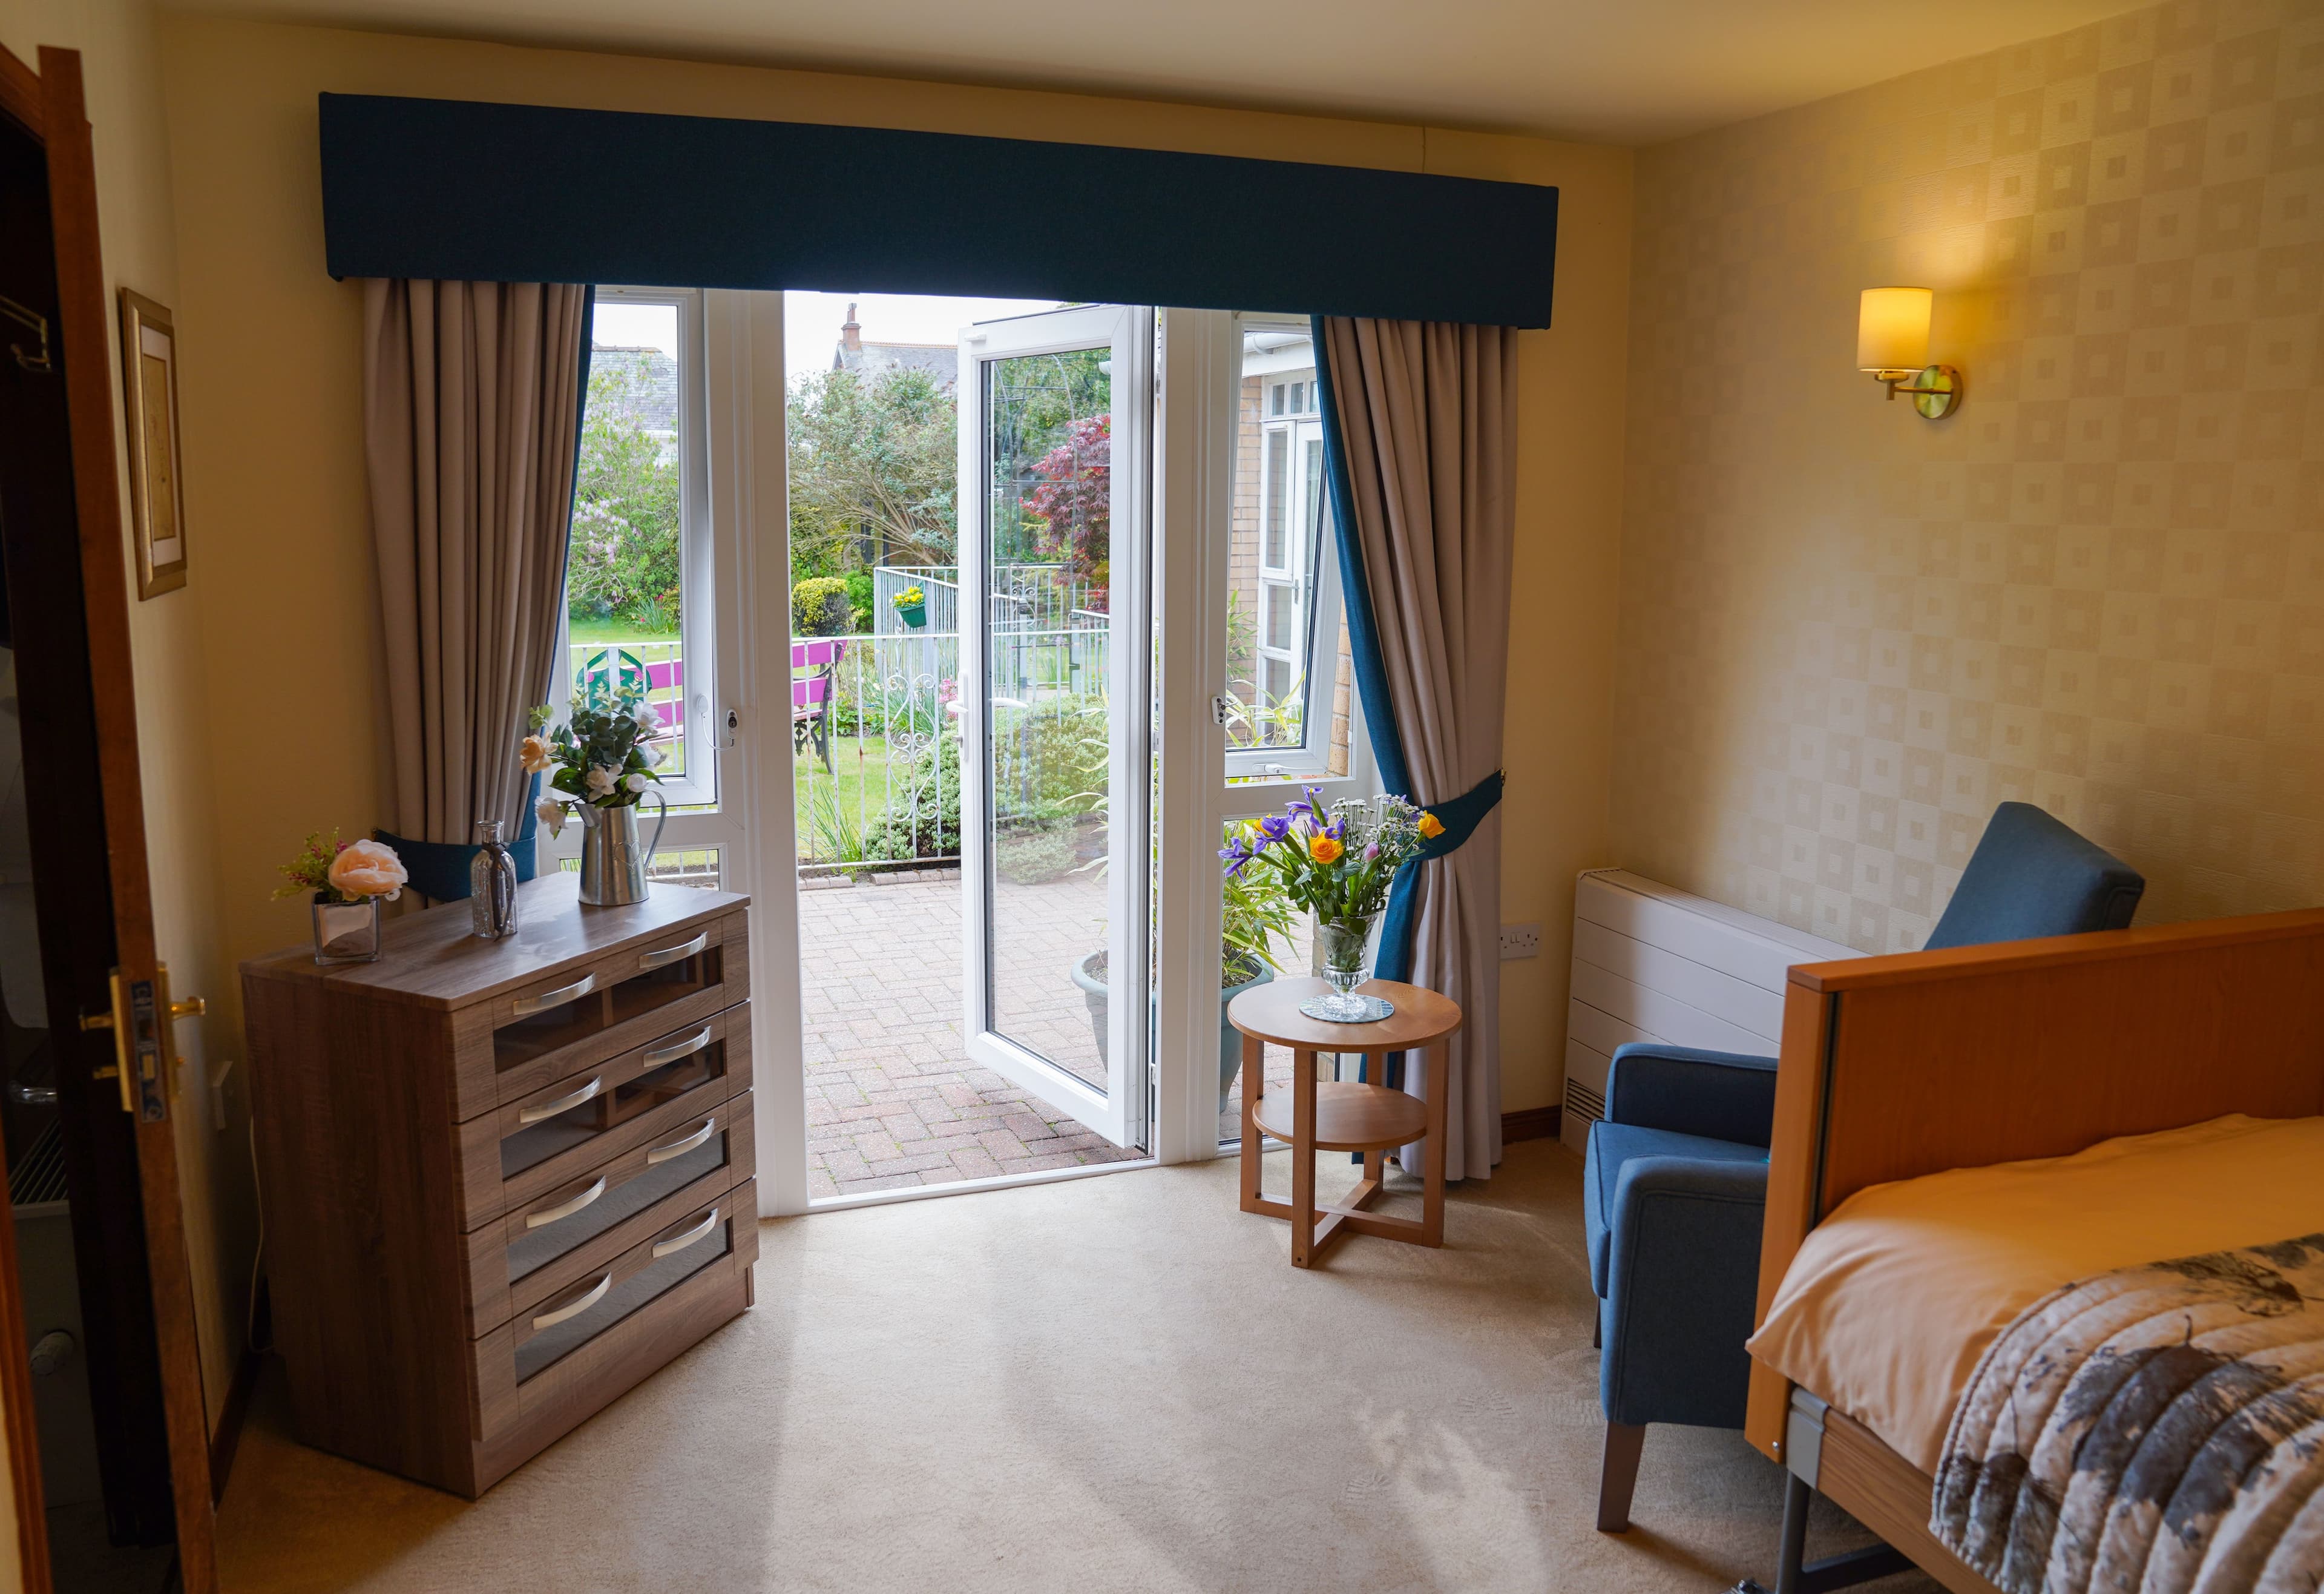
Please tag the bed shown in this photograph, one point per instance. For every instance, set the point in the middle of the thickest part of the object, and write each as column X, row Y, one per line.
column 2195, row 1049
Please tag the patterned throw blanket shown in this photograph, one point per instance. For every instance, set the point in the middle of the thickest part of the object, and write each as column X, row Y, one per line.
column 2157, row 1430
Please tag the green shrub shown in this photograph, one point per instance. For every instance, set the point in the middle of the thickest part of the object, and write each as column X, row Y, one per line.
column 1049, row 763
column 820, row 606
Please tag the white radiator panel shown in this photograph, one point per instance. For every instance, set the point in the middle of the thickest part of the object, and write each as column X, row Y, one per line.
column 1651, row 963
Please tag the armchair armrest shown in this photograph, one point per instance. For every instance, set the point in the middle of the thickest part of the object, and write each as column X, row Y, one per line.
column 1721, row 1095
column 1682, row 1283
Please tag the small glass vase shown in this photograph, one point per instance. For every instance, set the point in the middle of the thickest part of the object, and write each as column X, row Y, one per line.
column 346, row 932
column 491, row 884
column 1343, row 949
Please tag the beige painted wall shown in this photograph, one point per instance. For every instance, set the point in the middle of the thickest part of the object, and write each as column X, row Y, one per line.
column 1848, row 632
column 275, row 466
column 119, row 65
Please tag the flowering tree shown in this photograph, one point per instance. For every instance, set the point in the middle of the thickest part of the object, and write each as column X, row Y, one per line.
column 624, row 556
column 872, row 456
column 1072, row 502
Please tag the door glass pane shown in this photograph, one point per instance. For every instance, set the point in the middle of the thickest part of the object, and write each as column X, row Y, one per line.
column 1049, row 453
column 1279, row 489
column 625, row 588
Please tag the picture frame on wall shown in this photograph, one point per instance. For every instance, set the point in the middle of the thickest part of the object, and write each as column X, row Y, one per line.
column 157, row 500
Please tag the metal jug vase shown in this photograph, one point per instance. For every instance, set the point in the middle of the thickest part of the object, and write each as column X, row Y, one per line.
column 613, row 864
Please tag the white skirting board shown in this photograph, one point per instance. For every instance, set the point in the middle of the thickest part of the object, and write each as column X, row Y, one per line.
column 1652, row 963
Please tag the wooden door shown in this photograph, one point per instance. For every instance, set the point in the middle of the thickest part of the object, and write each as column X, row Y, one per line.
column 106, row 998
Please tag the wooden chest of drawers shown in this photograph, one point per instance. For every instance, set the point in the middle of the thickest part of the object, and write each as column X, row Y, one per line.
column 503, row 1182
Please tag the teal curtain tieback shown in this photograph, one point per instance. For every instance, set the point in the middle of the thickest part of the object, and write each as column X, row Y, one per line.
column 1459, row 817
column 1462, row 816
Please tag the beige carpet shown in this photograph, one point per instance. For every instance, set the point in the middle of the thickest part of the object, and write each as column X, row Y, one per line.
column 1115, row 1383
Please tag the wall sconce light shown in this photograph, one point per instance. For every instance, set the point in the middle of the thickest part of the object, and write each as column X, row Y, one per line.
column 1892, row 345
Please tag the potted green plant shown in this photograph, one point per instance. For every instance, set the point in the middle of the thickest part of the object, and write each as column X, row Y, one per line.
column 1256, row 920
column 912, row 606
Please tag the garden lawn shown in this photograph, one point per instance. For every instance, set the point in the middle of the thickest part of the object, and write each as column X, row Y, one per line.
column 859, row 781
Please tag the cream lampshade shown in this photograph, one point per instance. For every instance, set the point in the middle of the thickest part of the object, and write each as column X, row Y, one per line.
column 1892, row 329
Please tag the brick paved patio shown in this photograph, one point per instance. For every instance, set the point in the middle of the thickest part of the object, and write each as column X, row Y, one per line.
column 891, row 1101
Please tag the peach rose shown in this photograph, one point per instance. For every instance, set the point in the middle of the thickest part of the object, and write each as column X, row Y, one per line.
column 368, row 868
column 536, row 755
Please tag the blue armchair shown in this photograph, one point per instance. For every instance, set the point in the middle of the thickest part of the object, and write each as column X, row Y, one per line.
column 1675, row 1183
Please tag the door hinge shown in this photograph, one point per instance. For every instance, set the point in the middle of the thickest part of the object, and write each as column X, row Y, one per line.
column 1221, row 710
column 39, row 361
column 140, row 1022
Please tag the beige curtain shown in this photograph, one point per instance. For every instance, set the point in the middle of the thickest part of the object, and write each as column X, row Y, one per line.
column 471, row 399
column 1426, row 421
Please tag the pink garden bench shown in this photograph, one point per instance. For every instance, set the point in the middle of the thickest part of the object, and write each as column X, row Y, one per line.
column 811, row 694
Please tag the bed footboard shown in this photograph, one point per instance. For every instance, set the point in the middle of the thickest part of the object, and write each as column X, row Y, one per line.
column 1900, row 1066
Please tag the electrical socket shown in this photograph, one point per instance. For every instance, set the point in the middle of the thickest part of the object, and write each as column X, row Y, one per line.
column 1521, row 941
column 218, row 1095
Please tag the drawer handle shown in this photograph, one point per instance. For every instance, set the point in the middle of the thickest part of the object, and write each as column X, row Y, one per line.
column 568, row 1208
column 526, row 1006
column 680, row 1241
column 550, row 1110
column 682, row 951
column 678, row 1148
column 686, row 1048
column 550, row 1319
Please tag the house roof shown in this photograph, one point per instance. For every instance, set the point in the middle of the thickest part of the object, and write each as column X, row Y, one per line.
column 940, row 360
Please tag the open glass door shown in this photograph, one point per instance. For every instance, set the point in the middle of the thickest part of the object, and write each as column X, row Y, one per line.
column 1053, row 707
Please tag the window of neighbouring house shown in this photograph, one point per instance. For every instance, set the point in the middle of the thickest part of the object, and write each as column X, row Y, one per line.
column 1289, row 680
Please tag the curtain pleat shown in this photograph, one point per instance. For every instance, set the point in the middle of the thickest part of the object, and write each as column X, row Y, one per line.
column 471, row 424
column 1423, row 417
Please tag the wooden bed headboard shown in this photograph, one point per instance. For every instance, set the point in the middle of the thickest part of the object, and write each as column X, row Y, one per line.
column 1897, row 1067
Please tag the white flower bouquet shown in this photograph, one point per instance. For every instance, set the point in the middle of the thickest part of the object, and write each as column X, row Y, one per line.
column 605, row 754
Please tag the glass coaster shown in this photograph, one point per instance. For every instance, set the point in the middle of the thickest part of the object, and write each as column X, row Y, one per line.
column 1336, row 1009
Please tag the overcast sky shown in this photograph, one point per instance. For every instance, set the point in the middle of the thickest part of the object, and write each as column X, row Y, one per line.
column 811, row 322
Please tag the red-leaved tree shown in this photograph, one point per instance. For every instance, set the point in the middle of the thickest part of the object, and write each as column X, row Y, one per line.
column 1072, row 502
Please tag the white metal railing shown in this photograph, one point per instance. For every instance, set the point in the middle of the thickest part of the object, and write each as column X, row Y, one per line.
column 1024, row 596
column 878, row 761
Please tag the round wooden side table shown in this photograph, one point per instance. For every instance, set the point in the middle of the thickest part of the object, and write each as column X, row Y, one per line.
column 1342, row 1115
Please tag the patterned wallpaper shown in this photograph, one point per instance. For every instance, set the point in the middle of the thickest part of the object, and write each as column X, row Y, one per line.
column 1847, row 632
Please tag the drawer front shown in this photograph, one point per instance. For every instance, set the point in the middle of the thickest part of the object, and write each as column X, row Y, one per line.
column 553, row 1349
column 537, row 1249
column 596, row 1009
column 543, row 1148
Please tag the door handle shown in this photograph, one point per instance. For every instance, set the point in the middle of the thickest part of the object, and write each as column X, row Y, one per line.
column 140, row 1040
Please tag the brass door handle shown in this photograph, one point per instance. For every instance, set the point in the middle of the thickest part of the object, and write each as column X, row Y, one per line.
column 140, row 1044
column 191, row 1008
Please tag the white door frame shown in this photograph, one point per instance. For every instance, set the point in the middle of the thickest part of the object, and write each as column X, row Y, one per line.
column 1192, row 486
column 1195, row 417
column 1120, row 1112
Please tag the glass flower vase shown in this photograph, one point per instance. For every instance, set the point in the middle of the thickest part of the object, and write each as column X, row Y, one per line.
column 344, row 931
column 491, row 884
column 1343, row 954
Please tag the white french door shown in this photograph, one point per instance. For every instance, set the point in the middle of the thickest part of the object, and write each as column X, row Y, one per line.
column 1054, row 713
column 656, row 596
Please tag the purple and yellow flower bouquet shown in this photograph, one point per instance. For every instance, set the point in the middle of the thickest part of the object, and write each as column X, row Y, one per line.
column 1338, row 863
